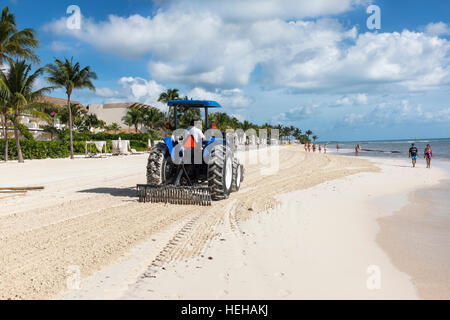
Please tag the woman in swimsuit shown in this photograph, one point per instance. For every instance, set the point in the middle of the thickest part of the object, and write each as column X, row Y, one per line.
column 428, row 154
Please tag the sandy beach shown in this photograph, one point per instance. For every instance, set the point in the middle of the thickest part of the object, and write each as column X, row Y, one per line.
column 311, row 230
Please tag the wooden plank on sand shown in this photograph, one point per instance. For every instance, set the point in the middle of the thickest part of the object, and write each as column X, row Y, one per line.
column 23, row 188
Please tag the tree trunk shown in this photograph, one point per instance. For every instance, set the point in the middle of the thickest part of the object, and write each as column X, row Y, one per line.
column 16, row 135
column 5, row 133
column 70, row 126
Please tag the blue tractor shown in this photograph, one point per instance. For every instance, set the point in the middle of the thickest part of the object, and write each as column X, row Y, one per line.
column 181, row 172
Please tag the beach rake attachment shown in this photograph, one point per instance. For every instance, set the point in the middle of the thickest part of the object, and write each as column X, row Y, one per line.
column 184, row 195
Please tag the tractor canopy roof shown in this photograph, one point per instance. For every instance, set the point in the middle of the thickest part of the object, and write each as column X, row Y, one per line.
column 194, row 104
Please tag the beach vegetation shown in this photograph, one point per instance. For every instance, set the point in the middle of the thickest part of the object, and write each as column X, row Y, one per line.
column 113, row 127
column 133, row 118
column 70, row 76
column 18, row 82
column 168, row 95
column 13, row 43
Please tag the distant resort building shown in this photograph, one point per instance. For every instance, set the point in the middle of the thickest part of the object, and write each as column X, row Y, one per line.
column 114, row 112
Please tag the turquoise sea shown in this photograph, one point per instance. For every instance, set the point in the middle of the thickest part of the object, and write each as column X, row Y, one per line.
column 393, row 148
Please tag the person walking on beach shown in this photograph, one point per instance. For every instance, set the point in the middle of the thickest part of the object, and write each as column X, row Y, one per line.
column 357, row 147
column 413, row 154
column 314, row 147
column 337, row 147
column 428, row 153
column 324, row 148
column 320, row 148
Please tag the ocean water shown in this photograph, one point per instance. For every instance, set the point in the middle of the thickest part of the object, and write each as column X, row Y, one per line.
column 397, row 149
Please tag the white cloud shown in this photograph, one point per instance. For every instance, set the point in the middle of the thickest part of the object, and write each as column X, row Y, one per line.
column 361, row 98
column 216, row 45
column 358, row 99
column 353, row 118
column 296, row 113
column 135, row 89
column 437, row 29
column 251, row 10
column 234, row 98
column 388, row 114
column 407, row 60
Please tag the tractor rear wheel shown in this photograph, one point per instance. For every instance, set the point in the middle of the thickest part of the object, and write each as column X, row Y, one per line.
column 159, row 166
column 220, row 172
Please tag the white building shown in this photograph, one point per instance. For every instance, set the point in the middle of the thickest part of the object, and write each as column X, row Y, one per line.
column 113, row 112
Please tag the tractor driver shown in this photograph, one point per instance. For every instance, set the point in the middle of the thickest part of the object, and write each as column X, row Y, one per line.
column 195, row 134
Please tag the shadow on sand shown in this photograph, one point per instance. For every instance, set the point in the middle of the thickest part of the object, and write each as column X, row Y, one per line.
column 116, row 192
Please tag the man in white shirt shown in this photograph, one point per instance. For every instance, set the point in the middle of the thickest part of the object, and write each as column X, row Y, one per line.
column 195, row 132
column 195, row 152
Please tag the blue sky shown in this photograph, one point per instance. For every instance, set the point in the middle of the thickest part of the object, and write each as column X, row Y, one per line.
column 311, row 64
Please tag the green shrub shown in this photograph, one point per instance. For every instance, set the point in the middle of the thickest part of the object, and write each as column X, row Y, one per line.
column 32, row 149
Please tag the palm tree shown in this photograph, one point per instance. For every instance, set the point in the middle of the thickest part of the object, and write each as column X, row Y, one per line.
column 246, row 125
column 92, row 121
column 170, row 94
column 4, row 114
column 297, row 133
column 15, row 43
column 153, row 118
column 234, row 122
column 114, row 127
column 17, row 84
column 315, row 138
column 70, row 76
column 133, row 117
column 285, row 132
column 222, row 120
column 308, row 133
column 77, row 113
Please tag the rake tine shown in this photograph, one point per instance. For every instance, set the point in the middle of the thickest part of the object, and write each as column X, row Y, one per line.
column 185, row 195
